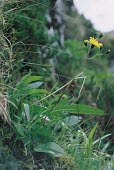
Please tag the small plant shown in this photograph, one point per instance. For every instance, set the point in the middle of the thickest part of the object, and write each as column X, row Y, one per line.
column 34, row 120
column 44, row 123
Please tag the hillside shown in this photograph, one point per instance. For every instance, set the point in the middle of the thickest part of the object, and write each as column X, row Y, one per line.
column 56, row 93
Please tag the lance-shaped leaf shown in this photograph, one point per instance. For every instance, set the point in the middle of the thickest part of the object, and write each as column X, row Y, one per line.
column 79, row 109
column 51, row 148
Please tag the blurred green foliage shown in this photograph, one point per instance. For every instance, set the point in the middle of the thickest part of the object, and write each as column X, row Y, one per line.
column 73, row 61
column 42, row 120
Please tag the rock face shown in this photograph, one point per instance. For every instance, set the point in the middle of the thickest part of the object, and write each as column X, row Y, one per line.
column 55, row 22
column 65, row 21
column 75, row 25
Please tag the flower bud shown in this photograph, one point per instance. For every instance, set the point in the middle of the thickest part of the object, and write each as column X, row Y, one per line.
column 85, row 42
column 100, row 35
column 108, row 51
column 101, row 47
column 95, row 34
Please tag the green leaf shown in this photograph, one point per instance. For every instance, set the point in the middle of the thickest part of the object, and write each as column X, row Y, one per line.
column 31, row 79
column 90, row 138
column 35, row 84
column 27, row 79
column 27, row 111
column 20, row 130
column 41, row 134
column 72, row 120
column 35, row 92
column 37, row 109
column 51, row 148
column 79, row 109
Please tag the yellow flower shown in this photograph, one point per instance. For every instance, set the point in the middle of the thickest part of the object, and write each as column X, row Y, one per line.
column 93, row 42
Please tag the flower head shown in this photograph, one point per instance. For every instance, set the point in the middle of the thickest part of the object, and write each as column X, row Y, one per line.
column 108, row 51
column 94, row 42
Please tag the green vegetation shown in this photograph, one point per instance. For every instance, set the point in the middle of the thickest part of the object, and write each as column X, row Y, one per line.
column 56, row 97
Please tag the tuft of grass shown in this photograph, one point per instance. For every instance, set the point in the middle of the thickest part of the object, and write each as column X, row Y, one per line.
column 43, row 129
